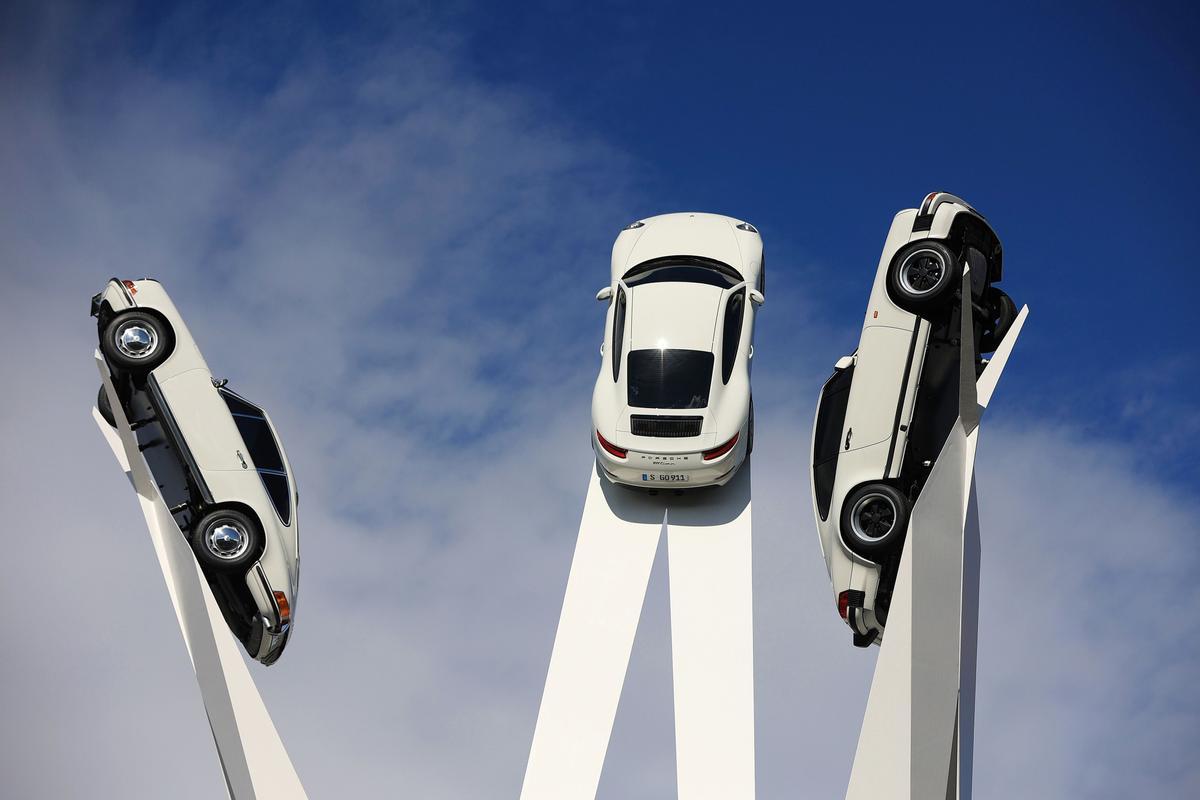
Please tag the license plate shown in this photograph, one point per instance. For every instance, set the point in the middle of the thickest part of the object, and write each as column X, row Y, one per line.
column 665, row 477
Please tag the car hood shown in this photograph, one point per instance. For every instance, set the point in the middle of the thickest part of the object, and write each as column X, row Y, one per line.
column 678, row 316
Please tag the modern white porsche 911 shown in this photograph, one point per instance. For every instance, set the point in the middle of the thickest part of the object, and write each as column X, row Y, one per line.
column 215, row 456
column 886, row 411
column 672, row 405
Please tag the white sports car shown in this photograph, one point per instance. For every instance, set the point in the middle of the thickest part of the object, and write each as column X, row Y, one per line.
column 215, row 456
column 886, row 411
column 672, row 404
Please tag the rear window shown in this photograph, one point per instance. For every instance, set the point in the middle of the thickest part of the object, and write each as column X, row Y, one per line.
column 683, row 270
column 669, row 378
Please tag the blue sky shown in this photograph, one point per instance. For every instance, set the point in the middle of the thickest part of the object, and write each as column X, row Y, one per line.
column 387, row 224
column 1072, row 128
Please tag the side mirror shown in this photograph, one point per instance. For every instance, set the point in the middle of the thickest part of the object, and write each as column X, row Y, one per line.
column 756, row 297
column 604, row 294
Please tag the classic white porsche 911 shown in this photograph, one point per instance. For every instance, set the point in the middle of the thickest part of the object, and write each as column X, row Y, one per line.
column 885, row 412
column 215, row 456
column 672, row 405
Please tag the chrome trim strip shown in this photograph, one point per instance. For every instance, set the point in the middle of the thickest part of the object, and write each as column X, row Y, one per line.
column 124, row 290
column 276, row 627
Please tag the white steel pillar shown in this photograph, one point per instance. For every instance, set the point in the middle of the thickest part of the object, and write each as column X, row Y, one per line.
column 712, row 640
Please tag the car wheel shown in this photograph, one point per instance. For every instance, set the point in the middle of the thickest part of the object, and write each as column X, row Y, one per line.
column 137, row 341
column 923, row 276
column 874, row 518
column 105, row 407
column 226, row 540
column 1004, row 314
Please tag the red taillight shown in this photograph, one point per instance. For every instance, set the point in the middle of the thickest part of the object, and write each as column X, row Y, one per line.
column 717, row 452
column 129, row 285
column 285, row 611
column 612, row 449
column 844, row 603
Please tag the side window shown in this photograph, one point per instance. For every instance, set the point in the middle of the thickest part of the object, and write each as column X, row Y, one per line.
column 831, row 418
column 263, row 451
column 732, row 332
column 259, row 441
column 618, row 337
column 762, row 274
column 277, row 489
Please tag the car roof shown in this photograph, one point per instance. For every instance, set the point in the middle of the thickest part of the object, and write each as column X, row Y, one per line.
column 679, row 316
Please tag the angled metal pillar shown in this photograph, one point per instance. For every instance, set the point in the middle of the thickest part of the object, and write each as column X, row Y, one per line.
column 618, row 537
column 252, row 756
column 712, row 640
column 917, row 737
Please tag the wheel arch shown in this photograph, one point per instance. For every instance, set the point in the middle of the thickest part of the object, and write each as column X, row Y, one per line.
column 236, row 505
column 840, row 506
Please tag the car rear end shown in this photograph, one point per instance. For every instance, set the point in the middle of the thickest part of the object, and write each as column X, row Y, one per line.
column 669, row 450
column 672, row 428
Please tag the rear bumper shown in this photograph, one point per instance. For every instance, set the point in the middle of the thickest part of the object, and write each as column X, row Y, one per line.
column 648, row 470
column 266, row 643
column 271, row 628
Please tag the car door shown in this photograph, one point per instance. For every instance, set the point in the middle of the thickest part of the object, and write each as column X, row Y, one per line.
column 883, row 355
column 203, row 420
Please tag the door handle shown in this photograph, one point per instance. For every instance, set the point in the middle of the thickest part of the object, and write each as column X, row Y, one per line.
column 242, row 459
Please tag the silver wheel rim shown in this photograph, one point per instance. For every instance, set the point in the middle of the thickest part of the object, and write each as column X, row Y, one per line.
column 873, row 517
column 226, row 539
column 137, row 340
column 922, row 271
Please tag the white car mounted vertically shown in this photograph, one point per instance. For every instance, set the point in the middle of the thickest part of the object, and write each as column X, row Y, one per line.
column 215, row 456
column 886, row 411
column 672, row 404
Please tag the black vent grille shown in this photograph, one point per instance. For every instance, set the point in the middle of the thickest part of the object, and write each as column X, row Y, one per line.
column 665, row 427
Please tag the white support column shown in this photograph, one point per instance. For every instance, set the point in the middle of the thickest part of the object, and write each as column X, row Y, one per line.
column 917, row 737
column 618, row 537
column 712, row 636
column 252, row 756
column 712, row 641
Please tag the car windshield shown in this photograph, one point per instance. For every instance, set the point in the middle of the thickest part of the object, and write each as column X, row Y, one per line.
column 683, row 270
column 669, row 378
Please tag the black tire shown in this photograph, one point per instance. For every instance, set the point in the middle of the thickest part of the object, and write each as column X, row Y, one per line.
column 874, row 519
column 1004, row 314
column 208, row 541
column 923, row 276
column 136, row 341
column 105, row 407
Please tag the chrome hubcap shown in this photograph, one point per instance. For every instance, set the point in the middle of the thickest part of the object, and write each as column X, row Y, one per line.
column 921, row 272
column 873, row 517
column 226, row 539
column 137, row 340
